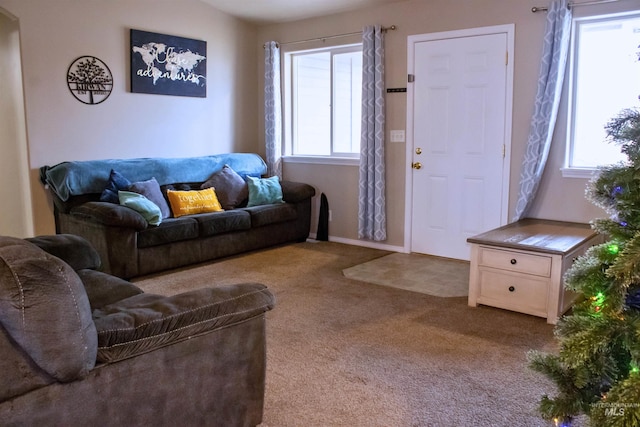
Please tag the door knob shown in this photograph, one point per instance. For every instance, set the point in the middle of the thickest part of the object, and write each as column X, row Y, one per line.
column 416, row 165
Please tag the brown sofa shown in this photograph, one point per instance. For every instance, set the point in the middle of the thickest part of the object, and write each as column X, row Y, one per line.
column 130, row 247
column 80, row 347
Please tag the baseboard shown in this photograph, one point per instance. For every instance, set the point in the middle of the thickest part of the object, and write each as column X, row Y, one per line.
column 363, row 243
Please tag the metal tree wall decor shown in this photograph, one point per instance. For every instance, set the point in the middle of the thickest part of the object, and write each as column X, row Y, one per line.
column 89, row 80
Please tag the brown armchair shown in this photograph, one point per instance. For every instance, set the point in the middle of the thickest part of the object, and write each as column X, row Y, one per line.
column 80, row 347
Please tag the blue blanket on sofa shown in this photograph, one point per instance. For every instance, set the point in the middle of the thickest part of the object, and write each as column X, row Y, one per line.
column 82, row 177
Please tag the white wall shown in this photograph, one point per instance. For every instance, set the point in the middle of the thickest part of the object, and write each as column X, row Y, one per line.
column 16, row 218
column 559, row 198
column 56, row 32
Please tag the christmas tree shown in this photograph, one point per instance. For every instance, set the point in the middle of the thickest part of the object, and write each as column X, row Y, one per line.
column 596, row 370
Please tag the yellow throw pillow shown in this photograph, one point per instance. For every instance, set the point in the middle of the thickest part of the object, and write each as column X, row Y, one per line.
column 193, row 202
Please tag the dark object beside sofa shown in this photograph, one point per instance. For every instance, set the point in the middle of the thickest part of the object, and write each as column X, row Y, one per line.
column 80, row 347
column 130, row 247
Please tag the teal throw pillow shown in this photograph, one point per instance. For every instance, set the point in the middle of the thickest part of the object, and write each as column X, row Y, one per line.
column 145, row 207
column 264, row 191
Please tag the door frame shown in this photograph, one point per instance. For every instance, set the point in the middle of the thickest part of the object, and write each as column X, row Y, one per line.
column 17, row 218
column 509, row 30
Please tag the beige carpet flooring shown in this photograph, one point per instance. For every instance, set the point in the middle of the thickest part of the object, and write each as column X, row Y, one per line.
column 431, row 275
column 342, row 352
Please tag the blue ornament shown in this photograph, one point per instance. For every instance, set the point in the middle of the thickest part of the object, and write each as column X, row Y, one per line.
column 633, row 298
column 563, row 422
column 616, row 190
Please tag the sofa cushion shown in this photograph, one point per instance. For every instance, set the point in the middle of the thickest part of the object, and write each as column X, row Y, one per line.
column 179, row 186
column 230, row 188
column 193, row 202
column 104, row 289
column 264, row 191
column 223, row 222
column 45, row 310
column 74, row 250
column 115, row 183
column 146, row 322
column 271, row 214
column 139, row 203
column 151, row 190
column 170, row 230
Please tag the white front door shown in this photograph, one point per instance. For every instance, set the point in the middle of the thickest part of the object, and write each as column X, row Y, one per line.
column 459, row 125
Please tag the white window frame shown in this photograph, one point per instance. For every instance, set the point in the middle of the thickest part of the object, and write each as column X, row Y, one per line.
column 288, row 121
column 568, row 170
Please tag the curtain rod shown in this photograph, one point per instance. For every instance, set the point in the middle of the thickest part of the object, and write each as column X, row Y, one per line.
column 384, row 29
column 572, row 4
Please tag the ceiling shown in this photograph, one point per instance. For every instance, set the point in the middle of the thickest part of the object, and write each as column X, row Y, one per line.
column 276, row 11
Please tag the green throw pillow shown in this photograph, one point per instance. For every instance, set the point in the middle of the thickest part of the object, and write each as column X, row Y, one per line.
column 264, row 191
column 145, row 207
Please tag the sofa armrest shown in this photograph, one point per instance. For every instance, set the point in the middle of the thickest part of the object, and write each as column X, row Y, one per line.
column 110, row 214
column 294, row 192
column 45, row 311
column 145, row 322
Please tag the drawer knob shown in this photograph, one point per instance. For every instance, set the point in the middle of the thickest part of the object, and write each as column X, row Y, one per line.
column 514, row 261
column 512, row 288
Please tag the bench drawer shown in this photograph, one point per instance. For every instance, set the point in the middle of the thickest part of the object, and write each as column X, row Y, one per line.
column 538, row 265
column 513, row 291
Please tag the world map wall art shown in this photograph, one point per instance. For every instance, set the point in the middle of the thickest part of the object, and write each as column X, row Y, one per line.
column 168, row 65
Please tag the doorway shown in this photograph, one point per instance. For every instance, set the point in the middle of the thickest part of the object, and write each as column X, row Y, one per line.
column 16, row 218
column 459, row 103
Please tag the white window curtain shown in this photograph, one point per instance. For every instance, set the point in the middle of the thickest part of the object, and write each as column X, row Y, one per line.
column 372, row 222
column 272, row 109
column 554, row 58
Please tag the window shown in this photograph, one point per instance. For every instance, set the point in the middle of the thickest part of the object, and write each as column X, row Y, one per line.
column 605, row 79
column 323, row 92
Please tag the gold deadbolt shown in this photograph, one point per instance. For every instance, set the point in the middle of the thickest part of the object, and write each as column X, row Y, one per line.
column 416, row 165
column 418, row 150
